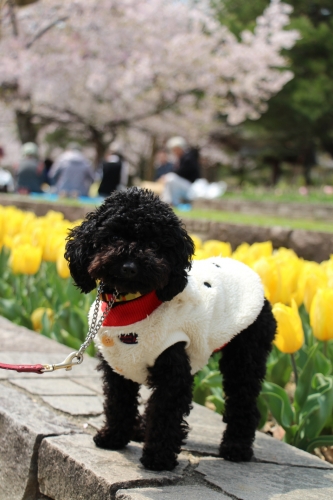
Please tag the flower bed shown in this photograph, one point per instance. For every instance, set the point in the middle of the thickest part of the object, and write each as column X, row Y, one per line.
column 37, row 292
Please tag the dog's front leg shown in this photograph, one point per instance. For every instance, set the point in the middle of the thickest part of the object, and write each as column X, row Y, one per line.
column 171, row 381
column 120, row 409
column 243, row 366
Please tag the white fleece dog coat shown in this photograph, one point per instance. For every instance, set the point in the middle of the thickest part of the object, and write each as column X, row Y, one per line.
column 222, row 298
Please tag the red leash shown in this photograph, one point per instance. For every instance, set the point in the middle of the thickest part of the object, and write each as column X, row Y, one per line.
column 74, row 358
column 23, row 368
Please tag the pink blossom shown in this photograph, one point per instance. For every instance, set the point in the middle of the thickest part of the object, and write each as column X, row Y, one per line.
column 146, row 64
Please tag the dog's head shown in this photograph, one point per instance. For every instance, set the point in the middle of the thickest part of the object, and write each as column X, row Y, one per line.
column 133, row 243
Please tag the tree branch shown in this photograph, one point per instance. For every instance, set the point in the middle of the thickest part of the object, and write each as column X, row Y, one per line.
column 45, row 30
column 11, row 8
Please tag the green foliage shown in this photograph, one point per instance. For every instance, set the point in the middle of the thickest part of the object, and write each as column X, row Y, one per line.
column 307, row 415
column 299, row 118
column 20, row 295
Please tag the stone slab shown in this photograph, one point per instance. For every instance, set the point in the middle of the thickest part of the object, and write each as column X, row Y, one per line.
column 257, row 481
column 93, row 383
column 206, row 429
column 23, row 424
column 55, row 387
column 76, row 405
column 18, row 338
column 86, row 369
column 206, row 433
column 98, row 473
column 171, row 493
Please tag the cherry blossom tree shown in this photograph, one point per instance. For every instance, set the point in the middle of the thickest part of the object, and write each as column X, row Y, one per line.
column 161, row 66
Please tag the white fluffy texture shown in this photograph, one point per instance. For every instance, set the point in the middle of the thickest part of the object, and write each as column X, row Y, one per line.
column 204, row 317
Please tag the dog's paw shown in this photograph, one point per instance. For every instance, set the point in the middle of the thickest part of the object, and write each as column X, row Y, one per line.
column 235, row 452
column 158, row 462
column 109, row 441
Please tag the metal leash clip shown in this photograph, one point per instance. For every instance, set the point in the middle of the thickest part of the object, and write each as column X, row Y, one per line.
column 73, row 359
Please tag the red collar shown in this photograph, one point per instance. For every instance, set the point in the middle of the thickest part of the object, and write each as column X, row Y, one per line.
column 132, row 311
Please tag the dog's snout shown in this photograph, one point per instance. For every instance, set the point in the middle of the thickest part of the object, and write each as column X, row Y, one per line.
column 129, row 270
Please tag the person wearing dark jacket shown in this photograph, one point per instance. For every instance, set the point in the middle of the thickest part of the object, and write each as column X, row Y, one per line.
column 114, row 173
column 187, row 170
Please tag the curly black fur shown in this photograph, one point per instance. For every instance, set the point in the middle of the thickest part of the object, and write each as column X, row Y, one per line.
column 134, row 226
column 120, row 409
column 134, row 242
column 171, row 381
column 243, row 366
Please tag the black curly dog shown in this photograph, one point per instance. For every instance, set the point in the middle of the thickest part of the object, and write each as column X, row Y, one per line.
column 134, row 242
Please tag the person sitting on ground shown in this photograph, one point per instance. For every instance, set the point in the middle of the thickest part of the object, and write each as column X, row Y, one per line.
column 163, row 164
column 30, row 170
column 177, row 184
column 114, row 172
column 72, row 174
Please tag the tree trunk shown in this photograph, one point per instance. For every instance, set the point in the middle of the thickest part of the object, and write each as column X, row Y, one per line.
column 22, row 3
column 99, row 143
column 309, row 160
column 276, row 170
column 149, row 170
column 27, row 130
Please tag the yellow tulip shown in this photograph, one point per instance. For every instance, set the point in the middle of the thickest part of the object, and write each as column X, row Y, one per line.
column 37, row 316
column 313, row 281
column 327, row 267
column 8, row 241
column 54, row 216
column 321, row 314
column 21, row 239
column 217, row 248
column 53, row 243
column 62, row 264
column 201, row 254
column 268, row 271
column 258, row 250
column 290, row 335
column 25, row 259
column 197, row 241
column 241, row 253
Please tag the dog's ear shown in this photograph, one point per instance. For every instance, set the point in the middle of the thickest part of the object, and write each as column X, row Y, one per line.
column 78, row 253
column 180, row 258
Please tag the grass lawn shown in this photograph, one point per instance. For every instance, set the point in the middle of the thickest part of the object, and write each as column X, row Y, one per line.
column 284, row 195
column 256, row 220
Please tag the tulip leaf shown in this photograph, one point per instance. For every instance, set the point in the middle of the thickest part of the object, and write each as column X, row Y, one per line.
column 10, row 308
column 60, row 290
column 278, row 403
column 306, row 326
column 322, row 364
column 281, row 371
column 317, row 410
column 69, row 340
column 218, row 401
column 76, row 327
column 73, row 294
column 304, row 379
column 25, row 321
column 301, row 357
column 6, row 290
column 318, row 442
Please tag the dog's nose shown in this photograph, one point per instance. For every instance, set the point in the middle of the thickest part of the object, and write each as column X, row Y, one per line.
column 129, row 270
